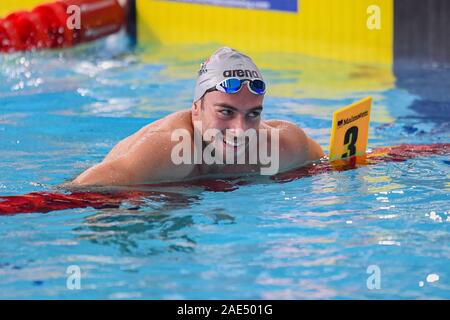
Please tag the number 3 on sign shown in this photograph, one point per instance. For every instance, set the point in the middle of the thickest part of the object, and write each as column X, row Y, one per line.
column 351, row 136
column 350, row 130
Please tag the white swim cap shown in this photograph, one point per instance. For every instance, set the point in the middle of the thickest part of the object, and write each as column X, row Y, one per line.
column 224, row 63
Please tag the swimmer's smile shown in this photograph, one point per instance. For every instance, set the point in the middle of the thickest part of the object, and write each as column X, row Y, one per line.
column 235, row 144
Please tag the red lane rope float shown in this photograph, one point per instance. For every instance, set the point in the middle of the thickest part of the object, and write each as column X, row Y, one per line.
column 9, row 38
column 378, row 155
column 47, row 25
column 31, row 32
column 47, row 201
column 54, row 16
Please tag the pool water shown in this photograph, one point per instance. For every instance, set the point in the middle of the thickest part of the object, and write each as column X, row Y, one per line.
column 316, row 237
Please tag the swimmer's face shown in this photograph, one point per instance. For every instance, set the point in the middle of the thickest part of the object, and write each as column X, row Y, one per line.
column 231, row 112
column 233, row 115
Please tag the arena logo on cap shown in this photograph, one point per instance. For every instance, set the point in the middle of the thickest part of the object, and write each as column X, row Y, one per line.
column 276, row 5
column 241, row 73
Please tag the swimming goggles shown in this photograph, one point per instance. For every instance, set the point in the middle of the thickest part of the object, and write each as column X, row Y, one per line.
column 233, row 85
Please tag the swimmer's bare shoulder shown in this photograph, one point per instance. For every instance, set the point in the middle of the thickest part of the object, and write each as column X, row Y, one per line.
column 142, row 157
column 296, row 148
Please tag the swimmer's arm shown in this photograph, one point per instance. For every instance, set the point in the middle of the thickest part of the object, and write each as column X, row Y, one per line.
column 107, row 173
column 151, row 159
column 148, row 160
column 296, row 148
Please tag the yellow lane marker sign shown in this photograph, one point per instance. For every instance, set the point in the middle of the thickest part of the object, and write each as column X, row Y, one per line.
column 350, row 130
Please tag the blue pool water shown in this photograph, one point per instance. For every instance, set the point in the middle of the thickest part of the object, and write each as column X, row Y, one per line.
column 61, row 112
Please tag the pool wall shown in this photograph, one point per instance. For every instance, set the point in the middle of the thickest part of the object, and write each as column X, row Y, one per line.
column 422, row 31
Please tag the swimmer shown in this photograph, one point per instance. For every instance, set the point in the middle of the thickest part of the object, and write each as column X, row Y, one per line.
column 228, row 103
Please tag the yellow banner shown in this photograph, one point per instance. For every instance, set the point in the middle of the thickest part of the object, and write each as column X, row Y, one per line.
column 346, row 30
column 8, row 6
